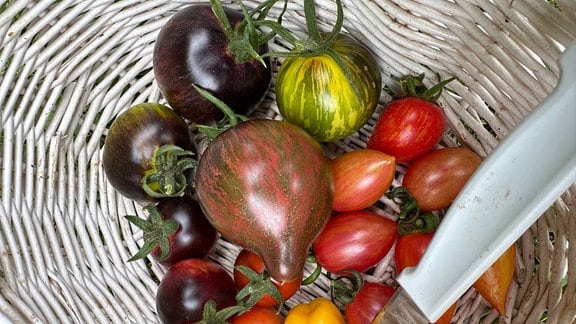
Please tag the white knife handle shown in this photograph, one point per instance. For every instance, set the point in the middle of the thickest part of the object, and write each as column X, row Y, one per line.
column 518, row 181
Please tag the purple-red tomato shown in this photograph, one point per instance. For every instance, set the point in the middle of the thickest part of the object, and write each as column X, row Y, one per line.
column 267, row 186
column 176, row 229
column 436, row 178
column 368, row 302
column 354, row 241
column 361, row 177
column 193, row 48
column 195, row 237
column 407, row 128
column 188, row 285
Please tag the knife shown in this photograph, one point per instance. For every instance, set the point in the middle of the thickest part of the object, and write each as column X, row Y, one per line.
column 509, row 191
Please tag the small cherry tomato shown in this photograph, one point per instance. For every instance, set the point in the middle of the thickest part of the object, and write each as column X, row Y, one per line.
column 436, row 178
column 188, row 285
column 258, row 315
column 361, row 177
column 495, row 282
column 368, row 302
column 254, row 262
column 354, row 241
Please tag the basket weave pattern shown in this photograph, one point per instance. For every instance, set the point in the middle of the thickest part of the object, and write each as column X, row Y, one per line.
column 69, row 67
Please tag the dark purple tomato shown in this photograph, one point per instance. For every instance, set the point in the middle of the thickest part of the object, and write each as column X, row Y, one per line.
column 176, row 229
column 188, row 285
column 192, row 48
column 133, row 140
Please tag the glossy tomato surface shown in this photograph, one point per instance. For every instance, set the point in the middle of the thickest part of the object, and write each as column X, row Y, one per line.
column 133, row 137
column 436, row 178
column 188, row 285
column 258, row 315
column 354, row 241
column 192, row 48
column 494, row 284
column 409, row 250
column 255, row 262
column 368, row 302
column 407, row 128
column 315, row 93
column 267, row 186
column 195, row 237
column 361, row 177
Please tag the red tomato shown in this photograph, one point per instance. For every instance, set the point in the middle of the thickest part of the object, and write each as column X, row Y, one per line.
column 354, row 241
column 361, row 177
column 407, row 128
column 436, row 178
column 368, row 302
column 254, row 262
column 258, row 315
column 410, row 248
column 408, row 252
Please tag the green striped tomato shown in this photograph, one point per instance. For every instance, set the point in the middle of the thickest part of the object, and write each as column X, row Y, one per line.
column 328, row 101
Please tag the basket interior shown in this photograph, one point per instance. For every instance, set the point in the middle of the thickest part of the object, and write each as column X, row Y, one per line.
column 70, row 67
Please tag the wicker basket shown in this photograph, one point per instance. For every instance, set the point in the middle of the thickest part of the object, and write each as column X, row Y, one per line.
column 69, row 67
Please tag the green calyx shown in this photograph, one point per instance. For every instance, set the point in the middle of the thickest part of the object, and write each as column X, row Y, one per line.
column 411, row 219
column 157, row 233
column 211, row 315
column 344, row 288
column 245, row 39
column 167, row 176
column 412, row 86
column 259, row 285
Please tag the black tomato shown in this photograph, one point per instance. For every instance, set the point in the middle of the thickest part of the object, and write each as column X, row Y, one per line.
column 148, row 143
column 193, row 48
column 188, row 285
column 176, row 230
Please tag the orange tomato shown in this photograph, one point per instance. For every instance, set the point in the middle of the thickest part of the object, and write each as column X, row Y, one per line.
column 494, row 284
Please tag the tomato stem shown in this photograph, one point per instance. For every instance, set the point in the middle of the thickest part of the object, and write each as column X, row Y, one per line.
column 167, row 177
column 413, row 86
column 230, row 117
column 344, row 288
column 410, row 219
column 245, row 39
column 315, row 274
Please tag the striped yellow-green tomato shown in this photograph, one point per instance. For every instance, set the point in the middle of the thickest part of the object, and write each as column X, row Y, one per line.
column 330, row 98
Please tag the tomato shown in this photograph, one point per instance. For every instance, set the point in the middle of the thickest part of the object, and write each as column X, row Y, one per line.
column 368, row 302
column 267, row 186
column 258, row 315
column 412, row 124
column 409, row 250
column 194, row 47
column 354, row 241
column 327, row 100
column 255, row 262
column 436, row 178
column 318, row 311
column 188, row 285
column 176, row 230
column 139, row 159
column 361, row 177
column 495, row 282
column 408, row 128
